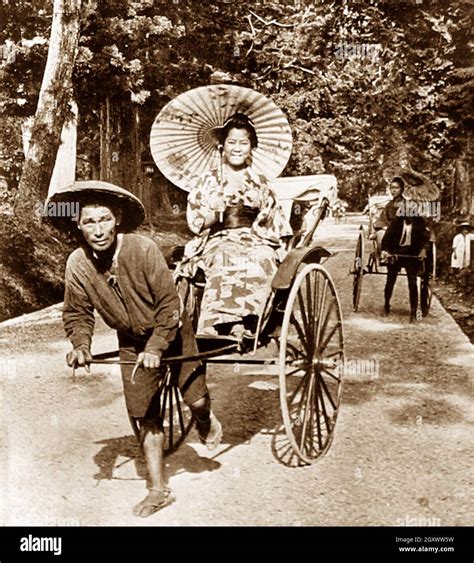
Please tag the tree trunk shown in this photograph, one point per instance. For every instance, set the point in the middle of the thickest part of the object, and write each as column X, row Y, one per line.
column 462, row 187
column 52, row 108
column 122, row 147
column 470, row 159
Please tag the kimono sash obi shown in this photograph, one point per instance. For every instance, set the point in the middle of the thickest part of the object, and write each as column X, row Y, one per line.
column 236, row 217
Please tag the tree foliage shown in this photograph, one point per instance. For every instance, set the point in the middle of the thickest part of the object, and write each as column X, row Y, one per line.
column 364, row 85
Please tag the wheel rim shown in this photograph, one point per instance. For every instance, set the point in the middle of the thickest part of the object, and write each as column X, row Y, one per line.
column 429, row 293
column 429, row 277
column 176, row 416
column 311, row 353
column 432, row 277
column 357, row 272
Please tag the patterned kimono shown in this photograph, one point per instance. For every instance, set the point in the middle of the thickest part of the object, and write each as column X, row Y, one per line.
column 239, row 263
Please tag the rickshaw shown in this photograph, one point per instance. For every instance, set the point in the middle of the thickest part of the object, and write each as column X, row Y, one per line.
column 373, row 264
column 303, row 328
column 338, row 209
column 302, row 322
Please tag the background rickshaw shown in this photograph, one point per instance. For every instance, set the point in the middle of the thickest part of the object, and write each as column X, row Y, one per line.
column 370, row 262
column 301, row 328
column 338, row 210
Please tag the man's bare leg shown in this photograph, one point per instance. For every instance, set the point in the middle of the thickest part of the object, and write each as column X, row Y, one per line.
column 209, row 428
column 159, row 496
column 153, row 442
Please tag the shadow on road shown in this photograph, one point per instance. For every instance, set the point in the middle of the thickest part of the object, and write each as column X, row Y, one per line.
column 245, row 405
column 427, row 411
column 122, row 459
column 117, row 452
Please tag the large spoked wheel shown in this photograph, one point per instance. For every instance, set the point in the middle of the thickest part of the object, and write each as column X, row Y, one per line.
column 176, row 416
column 311, row 358
column 172, row 411
column 357, row 270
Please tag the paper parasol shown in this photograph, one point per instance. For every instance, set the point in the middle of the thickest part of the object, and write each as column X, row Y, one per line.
column 417, row 186
column 184, row 137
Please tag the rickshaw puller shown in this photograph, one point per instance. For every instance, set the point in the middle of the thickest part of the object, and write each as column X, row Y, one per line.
column 390, row 211
column 125, row 278
column 407, row 238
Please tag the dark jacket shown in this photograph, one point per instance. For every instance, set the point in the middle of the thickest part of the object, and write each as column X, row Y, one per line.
column 419, row 237
column 140, row 300
column 389, row 212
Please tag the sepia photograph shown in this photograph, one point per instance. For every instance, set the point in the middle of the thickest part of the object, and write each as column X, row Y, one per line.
column 237, row 268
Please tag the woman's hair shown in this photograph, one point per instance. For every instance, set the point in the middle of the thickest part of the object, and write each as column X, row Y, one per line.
column 398, row 180
column 239, row 121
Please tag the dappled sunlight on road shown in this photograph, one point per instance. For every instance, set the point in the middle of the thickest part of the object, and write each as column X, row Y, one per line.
column 372, row 325
column 465, row 360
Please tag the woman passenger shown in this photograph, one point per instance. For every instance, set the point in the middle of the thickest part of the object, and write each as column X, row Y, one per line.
column 240, row 226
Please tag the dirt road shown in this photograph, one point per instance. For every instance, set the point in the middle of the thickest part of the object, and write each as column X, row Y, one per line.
column 402, row 453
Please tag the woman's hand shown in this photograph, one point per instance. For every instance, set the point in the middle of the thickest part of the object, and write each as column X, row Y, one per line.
column 216, row 202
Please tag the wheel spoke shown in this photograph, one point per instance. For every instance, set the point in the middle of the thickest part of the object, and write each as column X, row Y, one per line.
column 340, row 351
column 330, row 335
column 306, row 321
column 298, row 387
column 326, row 370
column 163, row 402
column 303, row 395
column 170, row 414
column 180, row 412
column 311, row 420
column 299, row 368
column 295, row 349
column 321, row 309
column 323, row 405
column 300, row 332
column 318, row 421
column 326, row 320
column 324, row 386
column 315, row 302
column 307, row 408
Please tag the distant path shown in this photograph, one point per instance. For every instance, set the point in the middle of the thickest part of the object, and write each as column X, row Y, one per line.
column 402, row 451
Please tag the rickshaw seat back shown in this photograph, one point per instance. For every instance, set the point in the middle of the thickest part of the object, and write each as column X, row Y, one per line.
column 378, row 202
column 376, row 205
column 305, row 189
column 301, row 198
